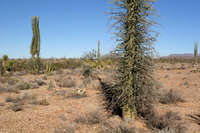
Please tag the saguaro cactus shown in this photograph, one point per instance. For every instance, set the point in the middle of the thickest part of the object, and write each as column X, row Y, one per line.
column 133, row 23
column 196, row 53
column 98, row 54
column 35, row 44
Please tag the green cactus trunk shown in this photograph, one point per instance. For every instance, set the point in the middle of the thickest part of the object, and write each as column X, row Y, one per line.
column 99, row 55
column 35, row 44
column 196, row 54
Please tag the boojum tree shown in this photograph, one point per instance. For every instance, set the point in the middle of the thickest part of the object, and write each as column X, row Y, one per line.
column 133, row 21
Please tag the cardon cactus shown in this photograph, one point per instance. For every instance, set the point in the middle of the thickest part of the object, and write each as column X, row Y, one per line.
column 35, row 44
column 195, row 53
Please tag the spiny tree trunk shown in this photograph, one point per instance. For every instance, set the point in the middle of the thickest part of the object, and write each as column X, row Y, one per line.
column 133, row 22
column 35, row 44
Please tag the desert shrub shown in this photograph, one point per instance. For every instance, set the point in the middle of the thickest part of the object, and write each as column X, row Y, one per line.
column 120, row 128
column 26, row 86
column 161, row 122
column 79, row 93
column 91, row 118
column 44, row 78
column 65, row 129
column 28, row 97
column 87, row 72
column 21, row 99
column 174, row 59
column 71, row 93
column 40, row 82
column 68, row 83
column 4, row 59
column 8, row 89
column 62, row 93
column 170, row 97
column 23, row 86
column 17, row 107
column 91, row 55
column 73, row 63
column 8, row 80
column 13, row 99
column 12, row 81
column 9, row 65
column 43, row 102
column 176, row 129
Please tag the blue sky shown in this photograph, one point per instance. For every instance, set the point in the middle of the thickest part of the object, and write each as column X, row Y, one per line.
column 69, row 28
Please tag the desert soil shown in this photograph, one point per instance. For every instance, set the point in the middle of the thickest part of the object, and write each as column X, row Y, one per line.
column 62, row 112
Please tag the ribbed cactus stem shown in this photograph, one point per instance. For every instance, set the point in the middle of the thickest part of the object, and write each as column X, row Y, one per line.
column 35, row 44
column 99, row 54
column 196, row 53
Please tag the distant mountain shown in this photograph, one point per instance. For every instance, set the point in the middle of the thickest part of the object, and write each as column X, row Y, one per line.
column 185, row 55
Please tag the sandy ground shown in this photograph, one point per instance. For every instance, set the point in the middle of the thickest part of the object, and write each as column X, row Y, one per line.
column 62, row 112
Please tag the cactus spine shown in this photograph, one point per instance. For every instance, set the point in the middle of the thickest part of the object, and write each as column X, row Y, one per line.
column 196, row 53
column 35, row 44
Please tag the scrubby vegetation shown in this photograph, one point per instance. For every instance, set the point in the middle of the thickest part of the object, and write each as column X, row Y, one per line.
column 171, row 97
column 125, row 91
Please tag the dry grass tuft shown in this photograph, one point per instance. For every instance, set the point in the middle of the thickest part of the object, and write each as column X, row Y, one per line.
column 8, row 89
column 91, row 118
column 72, row 93
column 176, row 129
column 65, row 82
column 169, row 120
column 43, row 102
column 171, row 97
column 65, row 129
column 17, row 107
column 120, row 128
column 20, row 99
column 23, row 86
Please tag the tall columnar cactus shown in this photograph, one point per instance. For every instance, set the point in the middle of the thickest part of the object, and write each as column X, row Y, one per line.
column 196, row 53
column 98, row 54
column 133, row 22
column 35, row 44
